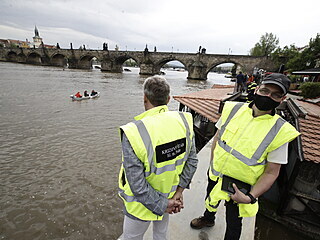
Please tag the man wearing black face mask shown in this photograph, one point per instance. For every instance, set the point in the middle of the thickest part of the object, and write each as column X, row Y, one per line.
column 248, row 149
column 271, row 93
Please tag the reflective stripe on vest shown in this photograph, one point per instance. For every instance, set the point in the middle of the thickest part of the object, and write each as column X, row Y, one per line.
column 232, row 113
column 134, row 199
column 209, row 201
column 147, row 140
column 259, row 151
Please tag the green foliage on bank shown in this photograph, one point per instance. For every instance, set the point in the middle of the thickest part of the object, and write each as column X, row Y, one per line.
column 310, row 89
column 293, row 57
column 306, row 58
column 283, row 55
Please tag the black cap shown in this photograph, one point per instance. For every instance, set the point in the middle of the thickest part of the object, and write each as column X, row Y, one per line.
column 278, row 79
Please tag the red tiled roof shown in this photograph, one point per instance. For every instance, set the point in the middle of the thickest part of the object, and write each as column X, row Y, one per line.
column 310, row 135
column 310, row 131
column 207, row 104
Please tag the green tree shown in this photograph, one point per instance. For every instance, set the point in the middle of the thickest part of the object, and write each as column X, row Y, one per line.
column 283, row 55
column 267, row 44
column 308, row 57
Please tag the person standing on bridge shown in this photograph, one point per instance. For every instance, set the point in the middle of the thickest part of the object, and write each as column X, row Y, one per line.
column 249, row 146
column 158, row 162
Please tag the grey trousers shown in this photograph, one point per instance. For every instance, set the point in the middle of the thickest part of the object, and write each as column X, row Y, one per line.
column 135, row 229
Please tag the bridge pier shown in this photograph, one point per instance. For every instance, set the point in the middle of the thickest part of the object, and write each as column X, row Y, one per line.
column 111, row 66
column 73, row 63
column 45, row 61
column 59, row 61
column 34, row 59
column 78, row 64
column 147, row 69
column 197, row 71
column 21, row 58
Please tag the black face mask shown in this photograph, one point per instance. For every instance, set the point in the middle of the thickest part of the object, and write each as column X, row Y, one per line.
column 265, row 103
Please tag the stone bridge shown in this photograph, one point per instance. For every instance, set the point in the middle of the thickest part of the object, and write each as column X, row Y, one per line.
column 198, row 65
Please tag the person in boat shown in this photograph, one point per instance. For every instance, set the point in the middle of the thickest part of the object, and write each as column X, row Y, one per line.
column 86, row 93
column 250, row 145
column 157, row 142
column 93, row 93
column 78, row 95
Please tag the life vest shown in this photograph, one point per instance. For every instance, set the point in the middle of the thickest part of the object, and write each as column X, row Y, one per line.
column 241, row 151
column 161, row 139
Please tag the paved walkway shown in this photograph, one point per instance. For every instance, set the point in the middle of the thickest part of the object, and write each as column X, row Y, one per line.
column 179, row 225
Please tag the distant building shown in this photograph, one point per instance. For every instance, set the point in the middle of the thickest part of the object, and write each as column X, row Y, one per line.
column 37, row 42
column 15, row 43
column 4, row 42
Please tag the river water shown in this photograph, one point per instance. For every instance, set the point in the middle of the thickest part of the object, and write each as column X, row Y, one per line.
column 59, row 159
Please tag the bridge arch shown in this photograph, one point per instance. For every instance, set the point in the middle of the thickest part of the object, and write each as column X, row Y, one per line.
column 121, row 59
column 58, row 60
column 85, row 62
column 34, row 58
column 212, row 66
column 158, row 65
column 237, row 66
column 12, row 56
column 116, row 64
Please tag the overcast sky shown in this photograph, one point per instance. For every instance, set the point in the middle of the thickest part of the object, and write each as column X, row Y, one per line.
column 181, row 25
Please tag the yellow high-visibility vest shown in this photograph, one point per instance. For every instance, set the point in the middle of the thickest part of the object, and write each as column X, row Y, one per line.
column 241, row 151
column 161, row 139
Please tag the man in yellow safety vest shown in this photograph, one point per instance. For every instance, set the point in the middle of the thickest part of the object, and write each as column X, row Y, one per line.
column 248, row 149
column 158, row 162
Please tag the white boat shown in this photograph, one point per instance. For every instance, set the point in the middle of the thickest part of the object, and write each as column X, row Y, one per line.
column 74, row 98
column 84, row 98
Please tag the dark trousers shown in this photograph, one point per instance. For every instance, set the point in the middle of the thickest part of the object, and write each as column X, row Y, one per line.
column 233, row 222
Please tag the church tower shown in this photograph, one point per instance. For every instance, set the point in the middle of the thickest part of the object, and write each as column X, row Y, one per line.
column 37, row 40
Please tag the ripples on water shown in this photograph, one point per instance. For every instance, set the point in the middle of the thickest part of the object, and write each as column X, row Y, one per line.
column 59, row 160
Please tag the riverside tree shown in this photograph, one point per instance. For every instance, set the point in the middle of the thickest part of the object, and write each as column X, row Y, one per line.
column 267, row 44
column 295, row 58
column 284, row 55
column 308, row 57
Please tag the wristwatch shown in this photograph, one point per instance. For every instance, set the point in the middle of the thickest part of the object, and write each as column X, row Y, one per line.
column 253, row 200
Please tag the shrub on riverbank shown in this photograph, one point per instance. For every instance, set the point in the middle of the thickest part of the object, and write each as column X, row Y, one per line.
column 310, row 89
